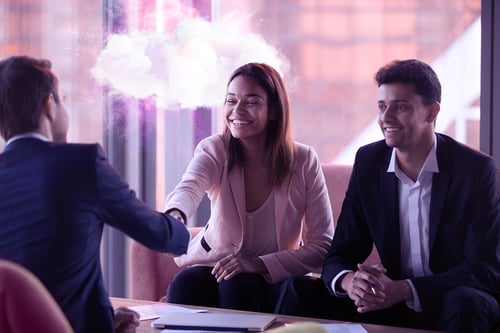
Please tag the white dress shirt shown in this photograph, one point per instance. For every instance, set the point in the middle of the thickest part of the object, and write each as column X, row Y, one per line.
column 414, row 209
column 414, row 212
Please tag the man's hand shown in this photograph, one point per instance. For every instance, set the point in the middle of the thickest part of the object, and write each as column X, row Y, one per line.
column 126, row 320
column 233, row 265
column 364, row 287
column 371, row 289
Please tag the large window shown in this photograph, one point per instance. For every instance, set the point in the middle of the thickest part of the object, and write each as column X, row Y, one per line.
column 328, row 52
column 182, row 52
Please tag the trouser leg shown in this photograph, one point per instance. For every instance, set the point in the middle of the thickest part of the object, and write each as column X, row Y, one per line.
column 308, row 297
column 248, row 292
column 194, row 286
column 469, row 310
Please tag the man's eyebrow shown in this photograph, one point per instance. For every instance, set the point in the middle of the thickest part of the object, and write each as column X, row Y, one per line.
column 393, row 101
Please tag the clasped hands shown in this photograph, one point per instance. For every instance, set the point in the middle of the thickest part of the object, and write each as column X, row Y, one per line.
column 371, row 289
column 232, row 265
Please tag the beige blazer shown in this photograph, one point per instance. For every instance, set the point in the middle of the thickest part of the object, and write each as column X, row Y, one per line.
column 303, row 215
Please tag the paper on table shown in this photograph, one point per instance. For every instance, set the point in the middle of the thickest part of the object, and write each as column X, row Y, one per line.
column 344, row 328
column 195, row 331
column 154, row 311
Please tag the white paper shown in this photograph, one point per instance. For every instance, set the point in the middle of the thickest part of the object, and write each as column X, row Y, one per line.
column 197, row 331
column 344, row 328
column 154, row 311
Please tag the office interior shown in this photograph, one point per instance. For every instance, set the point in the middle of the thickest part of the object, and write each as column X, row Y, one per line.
column 146, row 78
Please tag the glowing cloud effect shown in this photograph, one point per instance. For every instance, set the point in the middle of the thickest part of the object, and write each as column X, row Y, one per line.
column 185, row 68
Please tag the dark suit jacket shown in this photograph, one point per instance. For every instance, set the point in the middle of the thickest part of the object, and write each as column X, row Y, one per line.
column 464, row 226
column 54, row 202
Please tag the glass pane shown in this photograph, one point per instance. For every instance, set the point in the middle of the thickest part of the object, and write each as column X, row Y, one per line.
column 69, row 33
column 335, row 48
column 329, row 52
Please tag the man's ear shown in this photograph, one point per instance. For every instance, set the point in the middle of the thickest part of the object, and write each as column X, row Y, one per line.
column 48, row 108
column 433, row 112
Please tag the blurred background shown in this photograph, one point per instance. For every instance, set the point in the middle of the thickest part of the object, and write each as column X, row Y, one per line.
column 146, row 78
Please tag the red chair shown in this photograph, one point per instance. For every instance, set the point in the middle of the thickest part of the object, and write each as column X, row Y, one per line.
column 26, row 305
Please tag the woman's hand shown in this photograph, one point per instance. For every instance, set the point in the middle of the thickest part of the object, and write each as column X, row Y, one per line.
column 233, row 265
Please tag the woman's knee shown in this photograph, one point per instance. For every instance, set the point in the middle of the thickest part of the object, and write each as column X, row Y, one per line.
column 189, row 284
column 241, row 284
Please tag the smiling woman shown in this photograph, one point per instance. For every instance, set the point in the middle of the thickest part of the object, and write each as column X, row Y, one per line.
column 265, row 189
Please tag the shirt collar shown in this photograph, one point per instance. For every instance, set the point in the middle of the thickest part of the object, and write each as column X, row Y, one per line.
column 32, row 135
column 430, row 163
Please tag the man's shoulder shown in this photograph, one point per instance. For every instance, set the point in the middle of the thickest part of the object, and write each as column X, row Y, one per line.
column 453, row 149
column 76, row 147
column 76, row 155
column 376, row 145
column 375, row 150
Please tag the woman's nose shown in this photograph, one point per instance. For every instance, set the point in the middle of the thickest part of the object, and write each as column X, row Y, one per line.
column 238, row 107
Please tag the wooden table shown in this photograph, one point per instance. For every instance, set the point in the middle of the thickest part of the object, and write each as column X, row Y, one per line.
column 145, row 326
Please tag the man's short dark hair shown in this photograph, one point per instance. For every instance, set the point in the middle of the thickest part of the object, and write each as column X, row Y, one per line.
column 25, row 85
column 415, row 72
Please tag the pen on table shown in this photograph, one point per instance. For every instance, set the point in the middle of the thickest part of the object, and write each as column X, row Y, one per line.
column 372, row 288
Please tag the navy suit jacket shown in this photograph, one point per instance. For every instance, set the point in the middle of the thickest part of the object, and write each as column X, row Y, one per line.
column 54, row 202
column 464, row 226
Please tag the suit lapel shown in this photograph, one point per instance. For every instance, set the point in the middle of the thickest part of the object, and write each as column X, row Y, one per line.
column 440, row 184
column 237, row 185
column 389, row 200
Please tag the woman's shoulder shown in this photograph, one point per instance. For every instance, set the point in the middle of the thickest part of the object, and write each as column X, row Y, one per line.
column 304, row 151
column 213, row 144
column 214, row 139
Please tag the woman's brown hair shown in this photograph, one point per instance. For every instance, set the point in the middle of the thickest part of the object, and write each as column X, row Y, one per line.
column 280, row 145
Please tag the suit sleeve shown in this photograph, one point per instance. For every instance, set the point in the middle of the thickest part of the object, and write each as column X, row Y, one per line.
column 352, row 242
column 121, row 209
column 317, row 228
column 203, row 172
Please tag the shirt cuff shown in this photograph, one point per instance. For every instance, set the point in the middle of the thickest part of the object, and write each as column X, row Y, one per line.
column 415, row 304
column 334, row 283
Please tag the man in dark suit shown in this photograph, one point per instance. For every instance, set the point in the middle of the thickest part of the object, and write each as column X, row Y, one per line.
column 431, row 207
column 56, row 197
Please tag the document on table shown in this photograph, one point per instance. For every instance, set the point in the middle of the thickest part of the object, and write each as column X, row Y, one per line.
column 344, row 328
column 153, row 311
column 197, row 331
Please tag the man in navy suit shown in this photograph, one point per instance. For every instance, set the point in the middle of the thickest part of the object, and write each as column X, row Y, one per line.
column 431, row 207
column 56, row 197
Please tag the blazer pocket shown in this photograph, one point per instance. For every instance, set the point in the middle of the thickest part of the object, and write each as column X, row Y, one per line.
column 205, row 245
